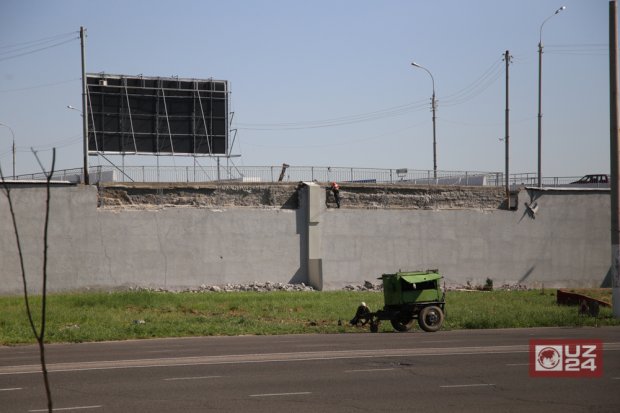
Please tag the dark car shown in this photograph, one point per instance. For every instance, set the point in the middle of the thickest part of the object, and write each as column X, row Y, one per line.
column 593, row 181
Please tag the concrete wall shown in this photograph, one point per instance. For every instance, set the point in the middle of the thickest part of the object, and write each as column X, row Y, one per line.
column 169, row 247
column 566, row 243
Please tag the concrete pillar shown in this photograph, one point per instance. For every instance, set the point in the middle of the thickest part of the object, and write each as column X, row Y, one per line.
column 314, row 204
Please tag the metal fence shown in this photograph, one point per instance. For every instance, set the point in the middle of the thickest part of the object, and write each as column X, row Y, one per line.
column 197, row 174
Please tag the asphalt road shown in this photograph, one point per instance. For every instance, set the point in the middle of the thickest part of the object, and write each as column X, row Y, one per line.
column 468, row 370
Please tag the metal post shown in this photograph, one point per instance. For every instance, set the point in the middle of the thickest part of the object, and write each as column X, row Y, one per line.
column 84, row 107
column 614, row 159
column 507, row 58
column 433, row 107
column 13, row 135
column 540, row 52
column 434, row 134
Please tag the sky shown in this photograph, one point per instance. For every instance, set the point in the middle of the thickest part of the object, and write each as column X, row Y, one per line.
column 326, row 82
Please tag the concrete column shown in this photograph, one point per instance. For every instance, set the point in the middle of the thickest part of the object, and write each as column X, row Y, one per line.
column 311, row 202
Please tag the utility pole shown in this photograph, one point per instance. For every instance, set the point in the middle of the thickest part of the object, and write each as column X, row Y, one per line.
column 13, row 146
column 539, row 170
column 540, row 53
column 84, row 107
column 614, row 159
column 507, row 59
column 433, row 107
column 434, row 104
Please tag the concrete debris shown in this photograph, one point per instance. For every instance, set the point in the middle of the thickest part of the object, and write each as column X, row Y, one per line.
column 471, row 287
column 368, row 286
column 513, row 287
column 254, row 286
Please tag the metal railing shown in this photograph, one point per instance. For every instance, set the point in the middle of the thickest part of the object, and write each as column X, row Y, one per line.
column 197, row 174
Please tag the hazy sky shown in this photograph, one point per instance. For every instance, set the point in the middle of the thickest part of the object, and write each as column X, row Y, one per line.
column 327, row 83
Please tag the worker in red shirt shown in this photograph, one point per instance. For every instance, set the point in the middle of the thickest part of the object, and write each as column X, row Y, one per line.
column 336, row 191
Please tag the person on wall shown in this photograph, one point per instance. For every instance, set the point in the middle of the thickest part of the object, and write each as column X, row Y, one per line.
column 336, row 191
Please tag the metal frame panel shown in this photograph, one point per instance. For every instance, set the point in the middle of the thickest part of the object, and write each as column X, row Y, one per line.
column 156, row 115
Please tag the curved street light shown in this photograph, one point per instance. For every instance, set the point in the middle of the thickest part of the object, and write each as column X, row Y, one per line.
column 540, row 52
column 12, row 134
column 433, row 106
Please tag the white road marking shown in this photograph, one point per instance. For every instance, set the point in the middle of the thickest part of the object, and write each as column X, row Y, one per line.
column 11, row 389
column 366, row 370
column 273, row 358
column 58, row 409
column 280, row 394
column 192, row 378
column 466, row 385
column 518, row 364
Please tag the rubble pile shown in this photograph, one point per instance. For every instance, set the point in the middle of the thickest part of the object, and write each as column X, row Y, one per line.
column 225, row 288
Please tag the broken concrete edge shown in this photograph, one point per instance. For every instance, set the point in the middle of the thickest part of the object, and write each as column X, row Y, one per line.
column 284, row 195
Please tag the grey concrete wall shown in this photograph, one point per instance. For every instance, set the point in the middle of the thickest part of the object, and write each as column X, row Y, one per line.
column 170, row 248
column 566, row 243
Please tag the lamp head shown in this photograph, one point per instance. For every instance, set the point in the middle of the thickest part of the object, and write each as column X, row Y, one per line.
column 560, row 9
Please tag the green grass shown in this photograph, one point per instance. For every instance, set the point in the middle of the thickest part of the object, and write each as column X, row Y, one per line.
column 84, row 317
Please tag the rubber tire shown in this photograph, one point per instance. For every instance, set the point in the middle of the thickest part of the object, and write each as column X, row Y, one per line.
column 431, row 318
column 374, row 327
column 401, row 325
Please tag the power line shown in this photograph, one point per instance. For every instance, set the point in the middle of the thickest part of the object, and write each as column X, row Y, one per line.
column 38, row 41
column 39, row 86
column 14, row 54
column 344, row 120
column 478, row 86
column 342, row 143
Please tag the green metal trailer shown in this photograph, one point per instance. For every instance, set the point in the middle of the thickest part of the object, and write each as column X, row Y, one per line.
column 408, row 296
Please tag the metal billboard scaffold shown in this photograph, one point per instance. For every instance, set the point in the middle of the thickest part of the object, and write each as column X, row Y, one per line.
column 133, row 115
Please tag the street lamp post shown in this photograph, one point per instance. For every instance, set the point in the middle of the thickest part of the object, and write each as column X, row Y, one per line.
column 433, row 106
column 13, row 147
column 84, row 107
column 540, row 52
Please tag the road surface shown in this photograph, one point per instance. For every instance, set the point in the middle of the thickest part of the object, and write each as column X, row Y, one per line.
column 466, row 370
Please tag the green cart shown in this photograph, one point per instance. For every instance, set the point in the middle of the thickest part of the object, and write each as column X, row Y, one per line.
column 408, row 296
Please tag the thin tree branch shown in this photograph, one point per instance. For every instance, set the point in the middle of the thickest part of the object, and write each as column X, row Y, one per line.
column 41, row 337
column 7, row 192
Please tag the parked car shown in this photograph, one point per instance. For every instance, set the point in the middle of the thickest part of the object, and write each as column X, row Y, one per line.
column 593, row 181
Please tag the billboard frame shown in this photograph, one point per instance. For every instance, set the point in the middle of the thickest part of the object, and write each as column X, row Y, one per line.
column 157, row 116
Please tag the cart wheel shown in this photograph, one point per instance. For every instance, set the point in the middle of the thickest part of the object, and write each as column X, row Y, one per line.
column 402, row 324
column 430, row 318
column 374, row 326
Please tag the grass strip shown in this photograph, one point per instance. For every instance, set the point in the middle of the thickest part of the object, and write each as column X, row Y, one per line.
column 83, row 317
